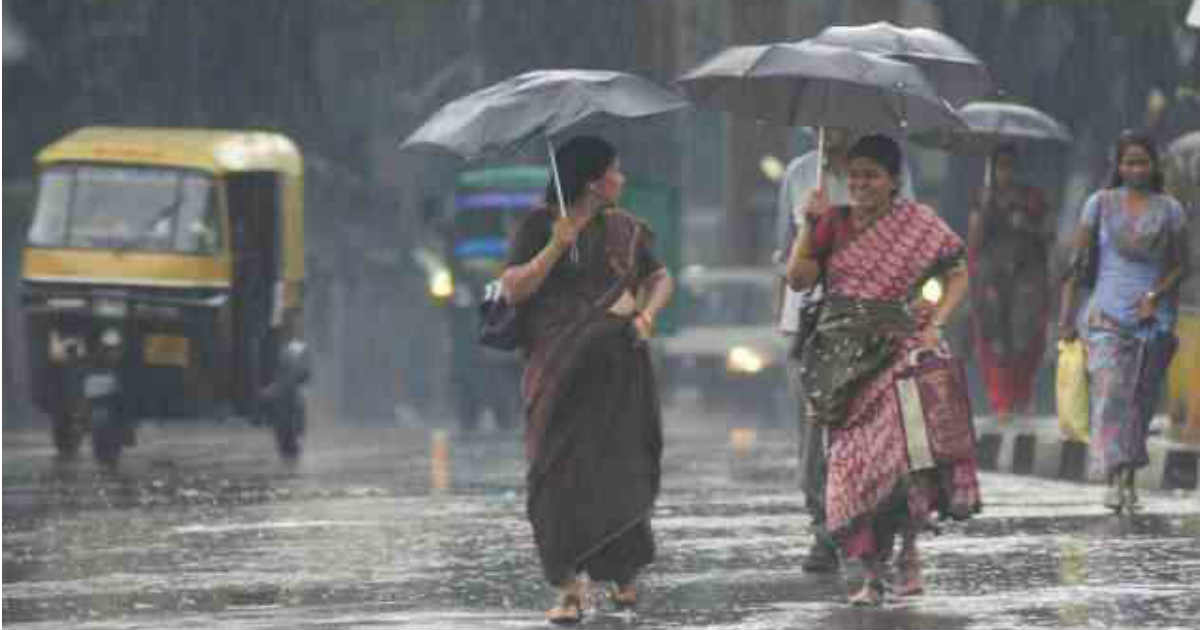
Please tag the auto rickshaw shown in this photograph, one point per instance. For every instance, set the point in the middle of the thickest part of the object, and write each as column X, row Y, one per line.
column 162, row 278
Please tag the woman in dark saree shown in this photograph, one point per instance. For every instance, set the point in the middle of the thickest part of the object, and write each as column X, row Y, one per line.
column 593, row 435
column 876, row 256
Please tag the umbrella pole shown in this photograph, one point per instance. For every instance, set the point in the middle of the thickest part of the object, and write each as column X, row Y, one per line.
column 820, row 157
column 987, row 172
column 562, row 204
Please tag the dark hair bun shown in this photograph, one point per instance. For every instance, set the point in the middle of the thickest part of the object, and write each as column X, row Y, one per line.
column 581, row 159
column 878, row 148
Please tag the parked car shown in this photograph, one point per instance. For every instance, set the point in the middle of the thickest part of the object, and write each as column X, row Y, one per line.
column 729, row 347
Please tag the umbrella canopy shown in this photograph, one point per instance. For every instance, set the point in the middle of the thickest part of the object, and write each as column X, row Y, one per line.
column 540, row 103
column 955, row 71
column 990, row 124
column 1186, row 146
column 806, row 83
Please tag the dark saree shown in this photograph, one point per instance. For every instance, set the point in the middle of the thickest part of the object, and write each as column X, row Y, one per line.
column 1009, row 294
column 870, row 321
column 593, row 435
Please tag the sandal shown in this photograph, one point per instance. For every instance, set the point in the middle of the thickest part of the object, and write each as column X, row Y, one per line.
column 870, row 595
column 569, row 608
column 1129, row 495
column 623, row 597
column 1114, row 497
column 910, row 575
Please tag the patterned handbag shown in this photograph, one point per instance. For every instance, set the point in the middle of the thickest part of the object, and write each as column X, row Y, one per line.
column 935, row 409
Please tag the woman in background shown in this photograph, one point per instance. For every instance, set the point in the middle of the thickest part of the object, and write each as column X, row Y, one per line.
column 1129, row 321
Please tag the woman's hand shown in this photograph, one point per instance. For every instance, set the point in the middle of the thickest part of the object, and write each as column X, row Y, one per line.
column 1146, row 307
column 931, row 338
column 815, row 205
column 643, row 322
column 567, row 229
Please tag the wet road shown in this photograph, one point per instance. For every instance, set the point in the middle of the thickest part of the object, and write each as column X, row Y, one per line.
column 204, row 528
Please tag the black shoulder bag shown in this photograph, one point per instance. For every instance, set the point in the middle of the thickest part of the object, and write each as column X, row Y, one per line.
column 500, row 324
column 810, row 312
column 1086, row 265
column 499, row 321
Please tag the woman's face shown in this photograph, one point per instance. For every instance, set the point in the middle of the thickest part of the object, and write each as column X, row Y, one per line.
column 611, row 183
column 1004, row 167
column 1135, row 167
column 871, row 186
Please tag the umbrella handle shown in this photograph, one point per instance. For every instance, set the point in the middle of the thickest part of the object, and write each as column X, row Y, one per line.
column 820, row 156
column 562, row 204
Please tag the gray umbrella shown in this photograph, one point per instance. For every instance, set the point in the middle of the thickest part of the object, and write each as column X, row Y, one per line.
column 955, row 71
column 1182, row 159
column 805, row 83
column 539, row 103
column 991, row 124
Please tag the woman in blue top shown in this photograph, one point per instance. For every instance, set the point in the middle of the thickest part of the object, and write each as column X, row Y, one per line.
column 1129, row 320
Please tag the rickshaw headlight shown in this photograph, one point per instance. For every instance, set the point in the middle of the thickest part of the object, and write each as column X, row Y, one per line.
column 65, row 303
column 111, row 308
column 111, row 338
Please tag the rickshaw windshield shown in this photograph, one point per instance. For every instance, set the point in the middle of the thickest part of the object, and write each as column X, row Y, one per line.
column 127, row 208
column 485, row 221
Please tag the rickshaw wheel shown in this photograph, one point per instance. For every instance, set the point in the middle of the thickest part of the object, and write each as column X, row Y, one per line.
column 108, row 434
column 107, row 441
column 68, row 431
column 289, row 426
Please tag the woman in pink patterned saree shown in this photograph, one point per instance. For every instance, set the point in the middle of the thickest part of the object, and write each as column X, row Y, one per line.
column 875, row 256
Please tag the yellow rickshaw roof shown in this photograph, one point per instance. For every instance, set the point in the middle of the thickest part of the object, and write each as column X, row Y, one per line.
column 214, row 150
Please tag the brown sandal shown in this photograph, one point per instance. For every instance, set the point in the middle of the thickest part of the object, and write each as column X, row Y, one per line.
column 910, row 575
column 623, row 596
column 569, row 609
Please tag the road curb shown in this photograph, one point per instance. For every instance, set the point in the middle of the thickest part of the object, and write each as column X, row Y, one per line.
column 1035, row 448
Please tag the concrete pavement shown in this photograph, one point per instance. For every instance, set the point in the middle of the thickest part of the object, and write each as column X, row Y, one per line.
column 1034, row 446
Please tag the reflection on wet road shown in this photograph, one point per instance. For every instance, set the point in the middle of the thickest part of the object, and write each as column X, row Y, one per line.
column 402, row 528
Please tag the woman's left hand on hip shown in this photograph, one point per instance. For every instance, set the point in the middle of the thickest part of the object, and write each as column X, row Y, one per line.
column 1145, row 308
column 931, row 338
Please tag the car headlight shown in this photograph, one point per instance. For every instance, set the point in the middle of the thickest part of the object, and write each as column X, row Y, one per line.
column 744, row 360
column 931, row 291
column 110, row 308
column 441, row 284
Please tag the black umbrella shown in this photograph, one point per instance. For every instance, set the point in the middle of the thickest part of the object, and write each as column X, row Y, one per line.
column 540, row 103
column 806, row 83
column 954, row 70
column 990, row 124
